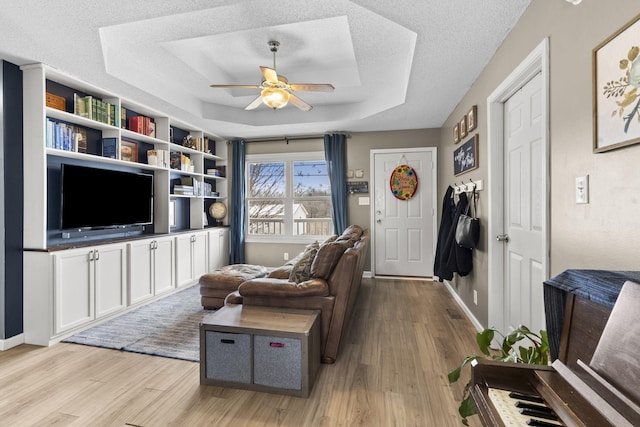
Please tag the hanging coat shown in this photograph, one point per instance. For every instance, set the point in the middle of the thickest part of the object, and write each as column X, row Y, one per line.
column 448, row 212
column 456, row 258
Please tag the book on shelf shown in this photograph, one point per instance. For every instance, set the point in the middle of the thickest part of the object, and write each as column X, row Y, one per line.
column 96, row 109
column 66, row 137
column 143, row 125
column 55, row 101
column 109, row 147
column 123, row 117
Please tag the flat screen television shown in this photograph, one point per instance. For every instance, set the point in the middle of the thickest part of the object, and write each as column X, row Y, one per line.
column 95, row 198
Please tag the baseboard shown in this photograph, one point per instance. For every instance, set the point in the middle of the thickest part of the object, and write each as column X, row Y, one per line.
column 463, row 306
column 11, row 342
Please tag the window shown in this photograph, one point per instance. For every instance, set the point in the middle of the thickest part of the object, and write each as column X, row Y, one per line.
column 288, row 195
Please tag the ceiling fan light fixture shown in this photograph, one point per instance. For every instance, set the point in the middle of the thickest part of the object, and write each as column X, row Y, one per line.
column 275, row 97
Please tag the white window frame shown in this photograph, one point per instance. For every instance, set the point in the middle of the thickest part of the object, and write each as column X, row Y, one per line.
column 288, row 159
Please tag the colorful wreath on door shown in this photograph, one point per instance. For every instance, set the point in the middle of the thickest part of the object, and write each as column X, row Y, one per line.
column 403, row 182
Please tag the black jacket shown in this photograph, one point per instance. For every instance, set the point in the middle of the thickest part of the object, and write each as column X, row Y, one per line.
column 448, row 212
column 450, row 257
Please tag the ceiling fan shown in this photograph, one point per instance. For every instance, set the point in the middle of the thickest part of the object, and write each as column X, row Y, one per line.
column 276, row 91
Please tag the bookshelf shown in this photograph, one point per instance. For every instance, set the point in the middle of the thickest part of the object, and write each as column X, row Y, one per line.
column 68, row 120
column 73, row 280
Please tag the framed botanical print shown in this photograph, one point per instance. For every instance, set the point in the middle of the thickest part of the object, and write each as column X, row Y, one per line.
column 471, row 118
column 616, row 98
column 456, row 133
column 463, row 127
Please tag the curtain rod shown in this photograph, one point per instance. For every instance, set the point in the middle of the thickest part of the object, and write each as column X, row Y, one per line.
column 291, row 138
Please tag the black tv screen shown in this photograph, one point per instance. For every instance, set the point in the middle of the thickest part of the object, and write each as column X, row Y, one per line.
column 101, row 198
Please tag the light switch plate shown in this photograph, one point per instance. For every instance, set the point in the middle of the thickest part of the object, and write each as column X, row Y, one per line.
column 582, row 189
column 363, row 201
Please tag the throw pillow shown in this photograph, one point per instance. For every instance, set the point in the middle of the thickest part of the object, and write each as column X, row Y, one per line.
column 327, row 257
column 301, row 270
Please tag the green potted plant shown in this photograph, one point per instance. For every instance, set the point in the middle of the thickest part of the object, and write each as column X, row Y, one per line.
column 536, row 353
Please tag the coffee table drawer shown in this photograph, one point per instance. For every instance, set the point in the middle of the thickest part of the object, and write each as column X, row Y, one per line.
column 277, row 362
column 228, row 356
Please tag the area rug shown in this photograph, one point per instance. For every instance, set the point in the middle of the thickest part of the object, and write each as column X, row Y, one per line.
column 168, row 327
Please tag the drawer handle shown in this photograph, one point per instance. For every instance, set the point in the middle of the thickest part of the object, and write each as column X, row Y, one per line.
column 276, row 344
column 226, row 341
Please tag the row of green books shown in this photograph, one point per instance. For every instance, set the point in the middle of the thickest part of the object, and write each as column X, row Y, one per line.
column 96, row 109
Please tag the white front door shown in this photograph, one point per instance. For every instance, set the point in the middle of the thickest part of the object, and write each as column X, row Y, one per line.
column 524, row 207
column 404, row 230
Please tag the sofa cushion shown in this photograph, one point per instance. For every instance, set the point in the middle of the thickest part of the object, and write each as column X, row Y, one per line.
column 280, row 288
column 327, row 258
column 329, row 239
column 284, row 271
column 231, row 276
column 301, row 270
column 353, row 232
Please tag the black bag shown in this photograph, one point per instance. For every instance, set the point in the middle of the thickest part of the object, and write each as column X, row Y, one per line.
column 468, row 227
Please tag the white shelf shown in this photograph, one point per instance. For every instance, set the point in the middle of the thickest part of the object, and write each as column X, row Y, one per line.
column 36, row 113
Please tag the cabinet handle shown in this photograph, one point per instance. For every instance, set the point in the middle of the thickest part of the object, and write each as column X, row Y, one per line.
column 90, row 255
column 227, row 341
column 276, row 344
column 97, row 253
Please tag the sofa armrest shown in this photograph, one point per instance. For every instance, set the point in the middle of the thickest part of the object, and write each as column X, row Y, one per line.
column 283, row 288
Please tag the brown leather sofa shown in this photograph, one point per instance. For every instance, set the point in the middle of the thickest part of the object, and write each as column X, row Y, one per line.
column 336, row 274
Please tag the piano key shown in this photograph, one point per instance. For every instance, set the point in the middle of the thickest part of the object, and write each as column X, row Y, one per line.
column 540, row 423
column 520, row 404
column 526, row 397
column 539, row 414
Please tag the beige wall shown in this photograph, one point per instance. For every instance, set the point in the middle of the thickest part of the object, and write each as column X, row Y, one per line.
column 358, row 147
column 604, row 233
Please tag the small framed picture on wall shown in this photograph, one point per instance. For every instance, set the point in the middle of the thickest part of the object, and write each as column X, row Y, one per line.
column 456, row 133
column 471, row 118
column 463, row 127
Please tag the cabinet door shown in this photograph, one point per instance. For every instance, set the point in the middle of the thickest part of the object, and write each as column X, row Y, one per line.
column 200, row 255
column 184, row 269
column 164, row 259
column 214, row 249
column 110, row 273
column 140, row 271
column 73, row 289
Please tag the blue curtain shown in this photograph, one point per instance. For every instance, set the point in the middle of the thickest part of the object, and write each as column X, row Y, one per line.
column 335, row 155
column 237, row 209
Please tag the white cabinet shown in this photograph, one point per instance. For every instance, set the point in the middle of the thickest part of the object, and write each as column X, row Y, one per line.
column 191, row 257
column 218, row 248
column 151, row 268
column 69, row 289
column 89, row 283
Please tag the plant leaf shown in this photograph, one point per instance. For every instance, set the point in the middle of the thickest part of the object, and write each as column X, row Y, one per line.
column 455, row 374
column 484, row 339
column 467, row 408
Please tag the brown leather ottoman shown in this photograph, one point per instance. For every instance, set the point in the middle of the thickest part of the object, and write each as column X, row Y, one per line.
column 216, row 285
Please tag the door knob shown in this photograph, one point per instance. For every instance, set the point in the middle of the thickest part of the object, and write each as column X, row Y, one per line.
column 379, row 221
column 502, row 237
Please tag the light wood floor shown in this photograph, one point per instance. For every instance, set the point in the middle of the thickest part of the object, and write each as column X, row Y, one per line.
column 404, row 337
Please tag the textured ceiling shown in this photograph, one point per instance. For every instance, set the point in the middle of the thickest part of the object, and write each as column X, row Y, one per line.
column 395, row 65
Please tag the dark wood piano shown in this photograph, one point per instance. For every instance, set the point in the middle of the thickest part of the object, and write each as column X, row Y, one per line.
column 603, row 391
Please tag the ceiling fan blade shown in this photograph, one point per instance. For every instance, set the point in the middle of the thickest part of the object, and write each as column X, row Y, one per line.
column 236, row 86
column 269, row 74
column 312, row 87
column 299, row 103
column 254, row 104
